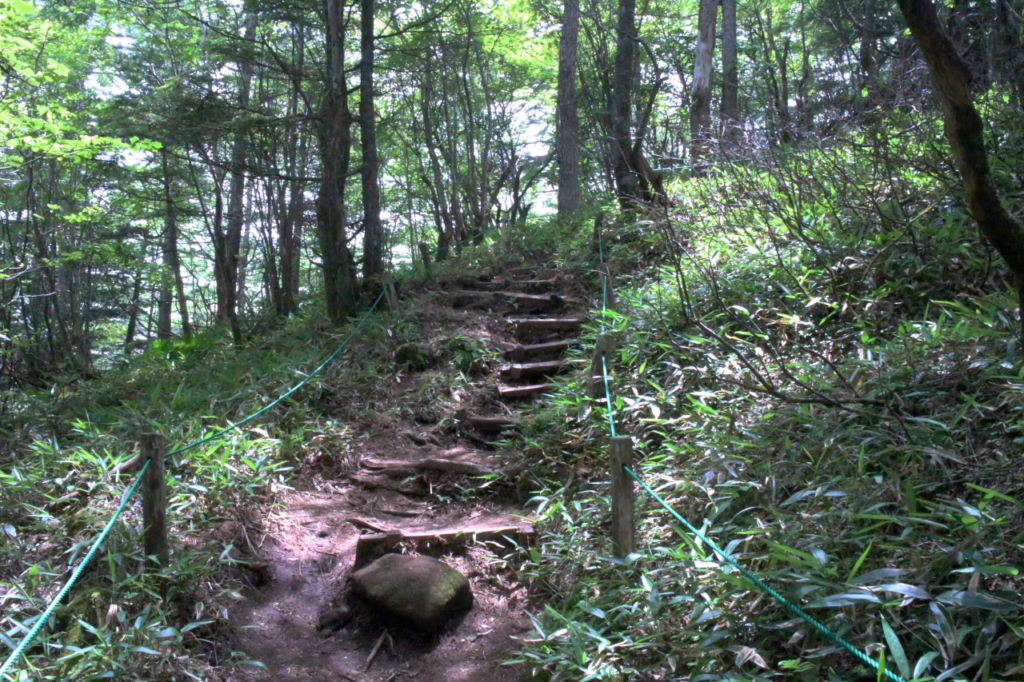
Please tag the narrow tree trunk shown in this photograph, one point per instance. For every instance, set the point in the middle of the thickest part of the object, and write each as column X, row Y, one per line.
column 236, row 191
column 373, row 231
column 335, row 151
column 170, row 278
column 133, row 313
column 567, row 142
column 868, row 58
column 703, row 64
column 730, row 72
column 627, row 184
column 966, row 134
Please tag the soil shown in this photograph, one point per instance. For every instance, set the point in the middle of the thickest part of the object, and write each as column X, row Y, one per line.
column 308, row 546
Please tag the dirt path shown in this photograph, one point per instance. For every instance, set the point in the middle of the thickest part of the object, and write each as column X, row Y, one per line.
column 296, row 623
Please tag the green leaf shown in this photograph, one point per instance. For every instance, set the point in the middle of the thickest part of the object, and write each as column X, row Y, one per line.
column 896, row 649
column 860, row 561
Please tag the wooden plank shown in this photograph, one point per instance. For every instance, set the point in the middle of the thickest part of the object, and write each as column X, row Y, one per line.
column 520, row 392
column 522, row 353
column 532, row 370
column 620, row 455
column 491, row 424
column 372, row 546
column 429, row 464
column 546, row 324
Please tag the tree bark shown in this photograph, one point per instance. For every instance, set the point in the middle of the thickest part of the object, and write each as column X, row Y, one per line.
column 171, row 281
column 236, row 192
column 703, row 64
column 965, row 132
column 730, row 72
column 373, row 231
column 627, row 184
column 335, row 151
column 567, row 134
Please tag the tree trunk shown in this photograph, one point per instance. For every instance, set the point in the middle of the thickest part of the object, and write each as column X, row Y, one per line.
column 373, row 231
column 567, row 134
column 627, row 184
column 335, row 151
column 290, row 226
column 965, row 132
column 703, row 64
column 133, row 313
column 730, row 72
column 868, row 57
column 171, row 281
column 236, row 193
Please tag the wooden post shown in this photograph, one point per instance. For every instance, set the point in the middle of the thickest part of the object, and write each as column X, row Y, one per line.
column 154, row 498
column 390, row 294
column 603, row 349
column 425, row 255
column 595, row 242
column 623, row 532
column 606, row 276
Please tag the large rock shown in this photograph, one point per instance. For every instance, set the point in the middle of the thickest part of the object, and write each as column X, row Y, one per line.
column 422, row 592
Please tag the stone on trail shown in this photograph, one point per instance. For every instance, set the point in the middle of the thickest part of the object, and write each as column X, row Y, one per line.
column 417, row 590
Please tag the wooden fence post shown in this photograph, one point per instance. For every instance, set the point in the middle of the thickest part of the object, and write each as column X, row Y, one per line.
column 425, row 255
column 606, row 276
column 154, row 498
column 603, row 349
column 623, row 532
column 390, row 294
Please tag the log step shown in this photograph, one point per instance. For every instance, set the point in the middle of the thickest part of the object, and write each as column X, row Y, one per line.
column 533, row 286
column 524, row 302
column 546, row 325
column 522, row 353
column 532, row 370
column 372, row 546
column 490, row 424
column 521, row 392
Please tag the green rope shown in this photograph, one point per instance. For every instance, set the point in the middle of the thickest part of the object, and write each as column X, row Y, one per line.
column 608, row 396
column 757, row 581
column 295, row 388
column 45, row 616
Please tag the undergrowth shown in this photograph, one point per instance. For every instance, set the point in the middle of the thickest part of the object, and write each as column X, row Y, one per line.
column 824, row 377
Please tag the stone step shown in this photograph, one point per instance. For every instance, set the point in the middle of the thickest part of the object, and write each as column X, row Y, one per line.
column 522, row 392
column 532, row 370
column 528, row 303
column 551, row 349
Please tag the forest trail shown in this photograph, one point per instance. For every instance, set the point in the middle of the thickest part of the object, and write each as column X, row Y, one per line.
column 296, row 619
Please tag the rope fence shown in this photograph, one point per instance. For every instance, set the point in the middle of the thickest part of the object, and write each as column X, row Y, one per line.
column 154, row 501
column 623, row 526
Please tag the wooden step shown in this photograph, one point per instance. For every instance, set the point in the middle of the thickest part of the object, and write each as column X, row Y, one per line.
column 536, row 326
column 524, row 302
column 532, row 370
column 372, row 546
column 522, row 392
column 533, row 286
column 490, row 424
column 551, row 349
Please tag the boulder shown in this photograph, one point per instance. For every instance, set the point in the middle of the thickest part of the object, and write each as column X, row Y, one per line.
column 415, row 357
column 419, row 591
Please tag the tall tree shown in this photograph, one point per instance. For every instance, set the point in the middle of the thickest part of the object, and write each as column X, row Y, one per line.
column 730, row 71
column 627, row 184
column 335, row 131
column 373, row 231
column 703, row 65
column 567, row 142
column 965, row 131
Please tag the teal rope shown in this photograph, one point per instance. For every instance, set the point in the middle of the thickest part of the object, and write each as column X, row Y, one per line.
column 608, row 396
column 757, row 581
column 45, row 616
column 295, row 388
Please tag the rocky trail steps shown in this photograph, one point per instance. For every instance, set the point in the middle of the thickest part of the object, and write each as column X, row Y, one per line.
column 299, row 618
